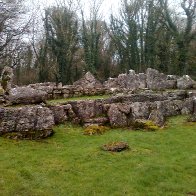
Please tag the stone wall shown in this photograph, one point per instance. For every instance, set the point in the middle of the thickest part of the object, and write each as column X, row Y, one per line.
column 121, row 111
column 152, row 79
column 116, row 111
column 88, row 85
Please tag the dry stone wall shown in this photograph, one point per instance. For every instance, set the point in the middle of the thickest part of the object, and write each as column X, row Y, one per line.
column 116, row 111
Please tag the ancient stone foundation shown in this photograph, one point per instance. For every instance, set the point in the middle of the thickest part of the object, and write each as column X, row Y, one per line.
column 142, row 97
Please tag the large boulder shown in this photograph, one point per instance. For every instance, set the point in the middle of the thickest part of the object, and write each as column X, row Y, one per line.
column 60, row 113
column 140, row 110
column 87, row 109
column 132, row 80
column 157, row 117
column 27, row 120
column 26, row 95
column 185, row 82
column 158, row 81
column 88, row 81
column 116, row 117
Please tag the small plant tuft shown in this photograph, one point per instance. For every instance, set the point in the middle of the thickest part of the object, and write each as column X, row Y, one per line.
column 145, row 124
column 95, row 130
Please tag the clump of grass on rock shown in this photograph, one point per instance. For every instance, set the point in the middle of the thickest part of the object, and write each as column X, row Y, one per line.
column 141, row 124
column 115, row 146
column 95, row 130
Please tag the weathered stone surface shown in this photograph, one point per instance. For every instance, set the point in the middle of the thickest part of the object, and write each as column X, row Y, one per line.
column 140, row 110
column 137, row 98
column 187, row 106
column 7, row 78
column 111, row 83
column 26, row 95
column 60, row 113
column 142, row 80
column 130, row 81
column 88, row 81
column 157, row 117
column 185, row 82
column 87, row 109
column 194, row 105
column 176, row 94
column 116, row 117
column 26, row 119
column 96, row 121
column 125, row 108
column 158, row 81
column 169, row 108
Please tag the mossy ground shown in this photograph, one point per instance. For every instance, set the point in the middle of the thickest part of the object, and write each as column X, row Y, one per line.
column 70, row 163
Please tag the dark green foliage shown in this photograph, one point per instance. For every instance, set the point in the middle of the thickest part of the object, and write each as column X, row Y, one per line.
column 61, row 26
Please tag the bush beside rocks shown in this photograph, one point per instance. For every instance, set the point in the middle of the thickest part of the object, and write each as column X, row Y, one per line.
column 141, row 124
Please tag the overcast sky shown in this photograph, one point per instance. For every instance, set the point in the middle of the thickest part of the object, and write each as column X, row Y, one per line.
column 107, row 6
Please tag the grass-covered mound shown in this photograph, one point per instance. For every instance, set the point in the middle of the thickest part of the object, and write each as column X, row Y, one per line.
column 70, row 163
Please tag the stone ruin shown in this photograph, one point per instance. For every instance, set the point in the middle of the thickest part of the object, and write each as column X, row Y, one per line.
column 151, row 96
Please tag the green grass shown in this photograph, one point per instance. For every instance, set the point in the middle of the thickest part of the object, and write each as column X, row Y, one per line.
column 56, row 101
column 70, row 163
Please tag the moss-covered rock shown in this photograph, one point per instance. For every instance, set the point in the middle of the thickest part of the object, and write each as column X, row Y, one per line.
column 29, row 135
column 115, row 146
column 141, row 124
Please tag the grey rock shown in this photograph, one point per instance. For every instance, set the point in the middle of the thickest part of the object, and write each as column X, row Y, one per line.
column 116, row 117
column 88, row 81
column 26, row 119
column 26, row 95
column 140, row 110
column 158, row 81
column 188, row 106
column 157, row 117
column 185, row 82
column 60, row 113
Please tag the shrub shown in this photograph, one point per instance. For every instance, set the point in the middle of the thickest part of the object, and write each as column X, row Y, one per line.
column 95, row 130
column 145, row 124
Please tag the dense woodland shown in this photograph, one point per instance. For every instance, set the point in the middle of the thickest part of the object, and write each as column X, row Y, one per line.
column 62, row 42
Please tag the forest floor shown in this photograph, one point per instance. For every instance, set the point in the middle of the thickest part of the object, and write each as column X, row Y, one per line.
column 160, row 163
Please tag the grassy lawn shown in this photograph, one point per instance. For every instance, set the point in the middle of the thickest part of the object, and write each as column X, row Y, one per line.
column 70, row 163
column 56, row 101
